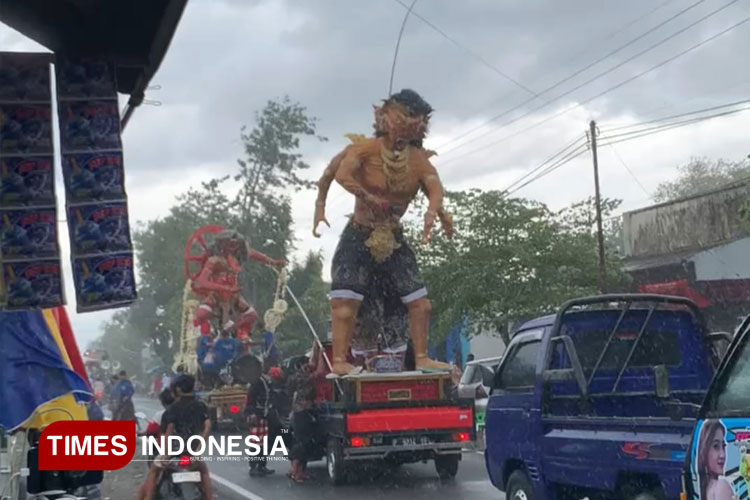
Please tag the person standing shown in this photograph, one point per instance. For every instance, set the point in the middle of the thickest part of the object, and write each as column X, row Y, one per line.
column 263, row 417
column 165, row 381
column 304, row 420
column 122, row 398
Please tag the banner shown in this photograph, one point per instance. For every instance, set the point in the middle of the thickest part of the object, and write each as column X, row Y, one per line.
column 720, row 459
column 96, row 203
column 29, row 249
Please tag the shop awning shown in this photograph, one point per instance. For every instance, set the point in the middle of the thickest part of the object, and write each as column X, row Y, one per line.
column 135, row 34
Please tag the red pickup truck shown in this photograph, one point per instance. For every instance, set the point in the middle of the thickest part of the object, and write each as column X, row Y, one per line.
column 393, row 418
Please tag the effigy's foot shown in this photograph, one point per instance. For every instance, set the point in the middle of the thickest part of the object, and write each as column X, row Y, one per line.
column 342, row 368
column 425, row 364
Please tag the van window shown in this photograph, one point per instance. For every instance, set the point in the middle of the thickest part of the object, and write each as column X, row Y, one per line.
column 733, row 391
column 655, row 348
column 519, row 370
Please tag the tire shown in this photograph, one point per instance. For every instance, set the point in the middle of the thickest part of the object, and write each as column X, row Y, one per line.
column 636, row 491
column 335, row 464
column 519, row 487
column 447, row 466
column 186, row 491
column 214, row 419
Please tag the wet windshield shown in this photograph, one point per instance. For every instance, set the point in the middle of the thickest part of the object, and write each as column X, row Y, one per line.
column 732, row 395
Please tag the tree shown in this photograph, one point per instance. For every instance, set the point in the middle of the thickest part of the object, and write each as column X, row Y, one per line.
column 510, row 258
column 260, row 209
column 700, row 175
column 306, row 282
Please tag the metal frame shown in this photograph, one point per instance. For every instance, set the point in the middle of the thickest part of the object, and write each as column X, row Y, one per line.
column 627, row 300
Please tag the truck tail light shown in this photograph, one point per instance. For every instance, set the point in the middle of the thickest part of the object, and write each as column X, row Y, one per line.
column 358, row 442
column 462, row 437
column 184, row 461
column 234, row 409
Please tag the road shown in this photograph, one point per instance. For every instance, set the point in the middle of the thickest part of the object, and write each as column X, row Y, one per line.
column 415, row 481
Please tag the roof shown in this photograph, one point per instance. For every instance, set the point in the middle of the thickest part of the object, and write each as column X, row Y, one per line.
column 135, row 34
column 727, row 187
column 540, row 322
column 484, row 361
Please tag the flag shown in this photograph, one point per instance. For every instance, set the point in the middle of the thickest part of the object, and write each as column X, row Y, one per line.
column 39, row 382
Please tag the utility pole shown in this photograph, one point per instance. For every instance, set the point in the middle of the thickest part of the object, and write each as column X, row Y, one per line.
column 599, row 229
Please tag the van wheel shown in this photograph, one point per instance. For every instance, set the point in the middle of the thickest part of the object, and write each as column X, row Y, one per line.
column 633, row 494
column 335, row 462
column 519, row 487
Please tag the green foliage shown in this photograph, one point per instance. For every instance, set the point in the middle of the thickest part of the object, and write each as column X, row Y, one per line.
column 306, row 282
column 257, row 205
column 700, row 175
column 510, row 258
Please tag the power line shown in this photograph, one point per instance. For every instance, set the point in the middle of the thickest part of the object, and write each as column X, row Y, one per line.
column 468, row 50
column 632, row 174
column 561, row 162
column 607, row 91
column 625, row 137
column 544, row 163
column 636, row 134
column 577, row 54
column 680, row 115
column 570, row 77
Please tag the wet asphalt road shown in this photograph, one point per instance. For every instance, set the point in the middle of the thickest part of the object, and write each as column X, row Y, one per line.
column 412, row 482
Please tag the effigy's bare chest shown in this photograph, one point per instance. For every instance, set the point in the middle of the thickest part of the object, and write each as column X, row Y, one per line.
column 378, row 178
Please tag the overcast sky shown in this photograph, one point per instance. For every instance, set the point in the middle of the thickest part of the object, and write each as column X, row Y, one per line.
column 228, row 57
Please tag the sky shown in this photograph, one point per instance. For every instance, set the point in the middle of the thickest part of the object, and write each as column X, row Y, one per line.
column 471, row 60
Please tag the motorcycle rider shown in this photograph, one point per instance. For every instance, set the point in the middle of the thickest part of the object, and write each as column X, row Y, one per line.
column 186, row 417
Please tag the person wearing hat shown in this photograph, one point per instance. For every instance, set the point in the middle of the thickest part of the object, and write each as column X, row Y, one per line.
column 263, row 416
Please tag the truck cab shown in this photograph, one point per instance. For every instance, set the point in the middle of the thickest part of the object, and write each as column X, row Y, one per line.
column 718, row 466
column 599, row 399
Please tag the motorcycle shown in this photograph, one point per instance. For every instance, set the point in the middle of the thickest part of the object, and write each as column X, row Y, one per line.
column 180, row 480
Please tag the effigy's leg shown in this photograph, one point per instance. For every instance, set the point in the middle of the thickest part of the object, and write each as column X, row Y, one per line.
column 246, row 318
column 408, row 283
column 343, row 317
column 350, row 273
column 204, row 313
column 419, row 326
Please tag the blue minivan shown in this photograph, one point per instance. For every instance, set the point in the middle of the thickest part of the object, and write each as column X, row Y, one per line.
column 719, row 463
column 599, row 400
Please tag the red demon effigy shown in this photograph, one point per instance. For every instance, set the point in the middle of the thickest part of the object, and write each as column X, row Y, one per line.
column 215, row 282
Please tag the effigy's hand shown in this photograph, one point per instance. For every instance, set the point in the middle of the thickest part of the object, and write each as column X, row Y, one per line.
column 429, row 223
column 320, row 216
column 446, row 221
column 278, row 263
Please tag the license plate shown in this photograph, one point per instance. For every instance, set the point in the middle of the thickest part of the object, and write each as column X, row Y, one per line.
column 412, row 441
column 186, row 477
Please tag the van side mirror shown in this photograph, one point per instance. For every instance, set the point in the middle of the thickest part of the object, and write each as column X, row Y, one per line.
column 574, row 373
column 720, row 342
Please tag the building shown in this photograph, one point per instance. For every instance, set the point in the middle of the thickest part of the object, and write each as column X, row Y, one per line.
column 695, row 247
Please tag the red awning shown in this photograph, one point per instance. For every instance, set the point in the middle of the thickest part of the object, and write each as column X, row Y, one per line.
column 679, row 288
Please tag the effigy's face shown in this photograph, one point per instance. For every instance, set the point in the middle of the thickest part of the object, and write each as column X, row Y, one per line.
column 231, row 247
column 398, row 127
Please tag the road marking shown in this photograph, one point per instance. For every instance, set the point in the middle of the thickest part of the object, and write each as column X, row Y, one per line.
column 237, row 489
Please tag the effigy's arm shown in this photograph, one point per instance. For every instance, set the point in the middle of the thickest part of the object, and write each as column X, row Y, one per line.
column 324, row 184
column 433, row 189
column 264, row 259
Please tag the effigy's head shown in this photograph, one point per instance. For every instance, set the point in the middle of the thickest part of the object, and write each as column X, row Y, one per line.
column 402, row 120
column 230, row 242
